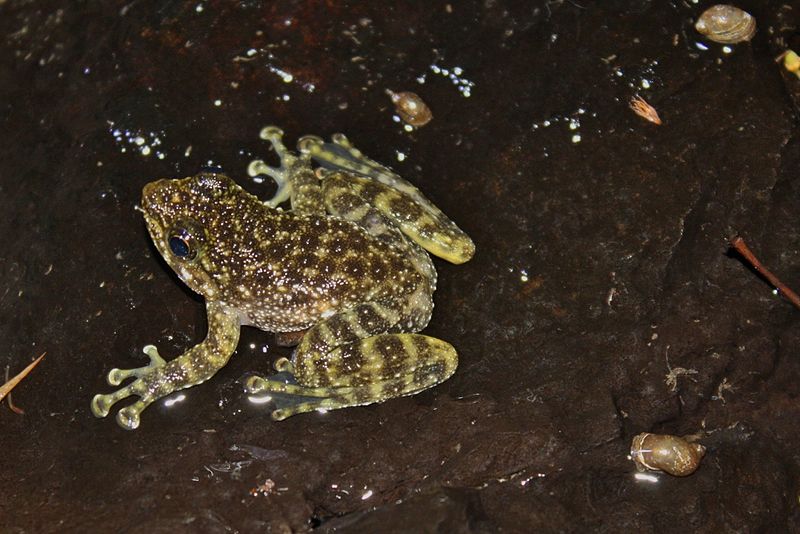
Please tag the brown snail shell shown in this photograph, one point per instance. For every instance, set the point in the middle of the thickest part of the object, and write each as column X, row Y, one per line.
column 411, row 108
column 663, row 452
column 726, row 24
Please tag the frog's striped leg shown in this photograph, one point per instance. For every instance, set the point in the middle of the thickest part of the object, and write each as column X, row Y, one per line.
column 341, row 154
column 348, row 360
column 442, row 238
column 342, row 200
column 295, row 179
column 395, row 197
column 372, row 370
column 160, row 378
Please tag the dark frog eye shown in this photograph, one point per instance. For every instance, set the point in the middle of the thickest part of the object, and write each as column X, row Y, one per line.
column 184, row 241
column 180, row 245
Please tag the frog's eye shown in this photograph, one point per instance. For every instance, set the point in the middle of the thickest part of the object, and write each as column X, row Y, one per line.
column 183, row 241
column 181, row 246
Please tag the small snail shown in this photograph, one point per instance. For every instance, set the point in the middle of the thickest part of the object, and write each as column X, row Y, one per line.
column 410, row 107
column 726, row 24
column 663, row 452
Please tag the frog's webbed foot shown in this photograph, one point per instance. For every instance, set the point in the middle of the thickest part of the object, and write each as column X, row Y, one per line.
column 289, row 398
column 129, row 416
column 340, row 154
column 281, row 175
column 286, row 395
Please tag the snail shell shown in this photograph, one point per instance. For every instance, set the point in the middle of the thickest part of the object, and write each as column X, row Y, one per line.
column 411, row 108
column 726, row 24
column 663, row 452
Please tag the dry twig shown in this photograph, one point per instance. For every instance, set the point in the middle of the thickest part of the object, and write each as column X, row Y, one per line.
column 6, row 388
column 738, row 244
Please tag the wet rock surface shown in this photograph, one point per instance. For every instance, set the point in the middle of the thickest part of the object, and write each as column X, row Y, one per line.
column 602, row 302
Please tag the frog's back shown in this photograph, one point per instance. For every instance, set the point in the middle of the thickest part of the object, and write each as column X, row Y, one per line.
column 285, row 270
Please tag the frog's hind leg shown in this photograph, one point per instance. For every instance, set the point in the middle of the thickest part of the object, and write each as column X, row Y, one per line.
column 353, row 358
column 344, row 201
column 340, row 154
column 295, row 179
column 376, row 207
column 370, row 370
column 393, row 196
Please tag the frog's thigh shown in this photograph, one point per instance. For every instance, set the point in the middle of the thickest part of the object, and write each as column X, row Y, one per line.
column 383, row 366
column 317, row 348
column 370, row 370
column 342, row 199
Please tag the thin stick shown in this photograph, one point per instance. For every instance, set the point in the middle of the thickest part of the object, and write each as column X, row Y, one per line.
column 15, row 409
column 6, row 388
column 738, row 244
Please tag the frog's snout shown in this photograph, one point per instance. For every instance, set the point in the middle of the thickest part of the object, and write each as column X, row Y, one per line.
column 155, row 198
column 149, row 192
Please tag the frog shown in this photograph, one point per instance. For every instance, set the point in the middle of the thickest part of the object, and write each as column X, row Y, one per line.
column 344, row 271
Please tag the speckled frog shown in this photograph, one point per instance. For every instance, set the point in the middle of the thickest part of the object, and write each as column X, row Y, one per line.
column 344, row 270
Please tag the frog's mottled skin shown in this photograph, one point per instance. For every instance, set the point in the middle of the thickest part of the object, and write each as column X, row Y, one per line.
column 345, row 264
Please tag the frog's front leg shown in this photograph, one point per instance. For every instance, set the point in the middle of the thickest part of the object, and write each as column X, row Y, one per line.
column 295, row 179
column 160, row 378
column 340, row 364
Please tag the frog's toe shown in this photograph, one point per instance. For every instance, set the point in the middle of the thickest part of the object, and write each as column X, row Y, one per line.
column 282, row 194
column 129, row 417
column 101, row 405
column 280, row 415
column 255, row 385
column 279, row 175
column 252, row 385
column 294, row 408
column 309, row 143
column 342, row 140
column 284, row 365
column 271, row 133
column 282, row 383
column 284, row 413
column 118, row 376
column 274, row 136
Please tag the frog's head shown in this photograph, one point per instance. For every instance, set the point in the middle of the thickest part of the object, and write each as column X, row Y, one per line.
column 187, row 221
